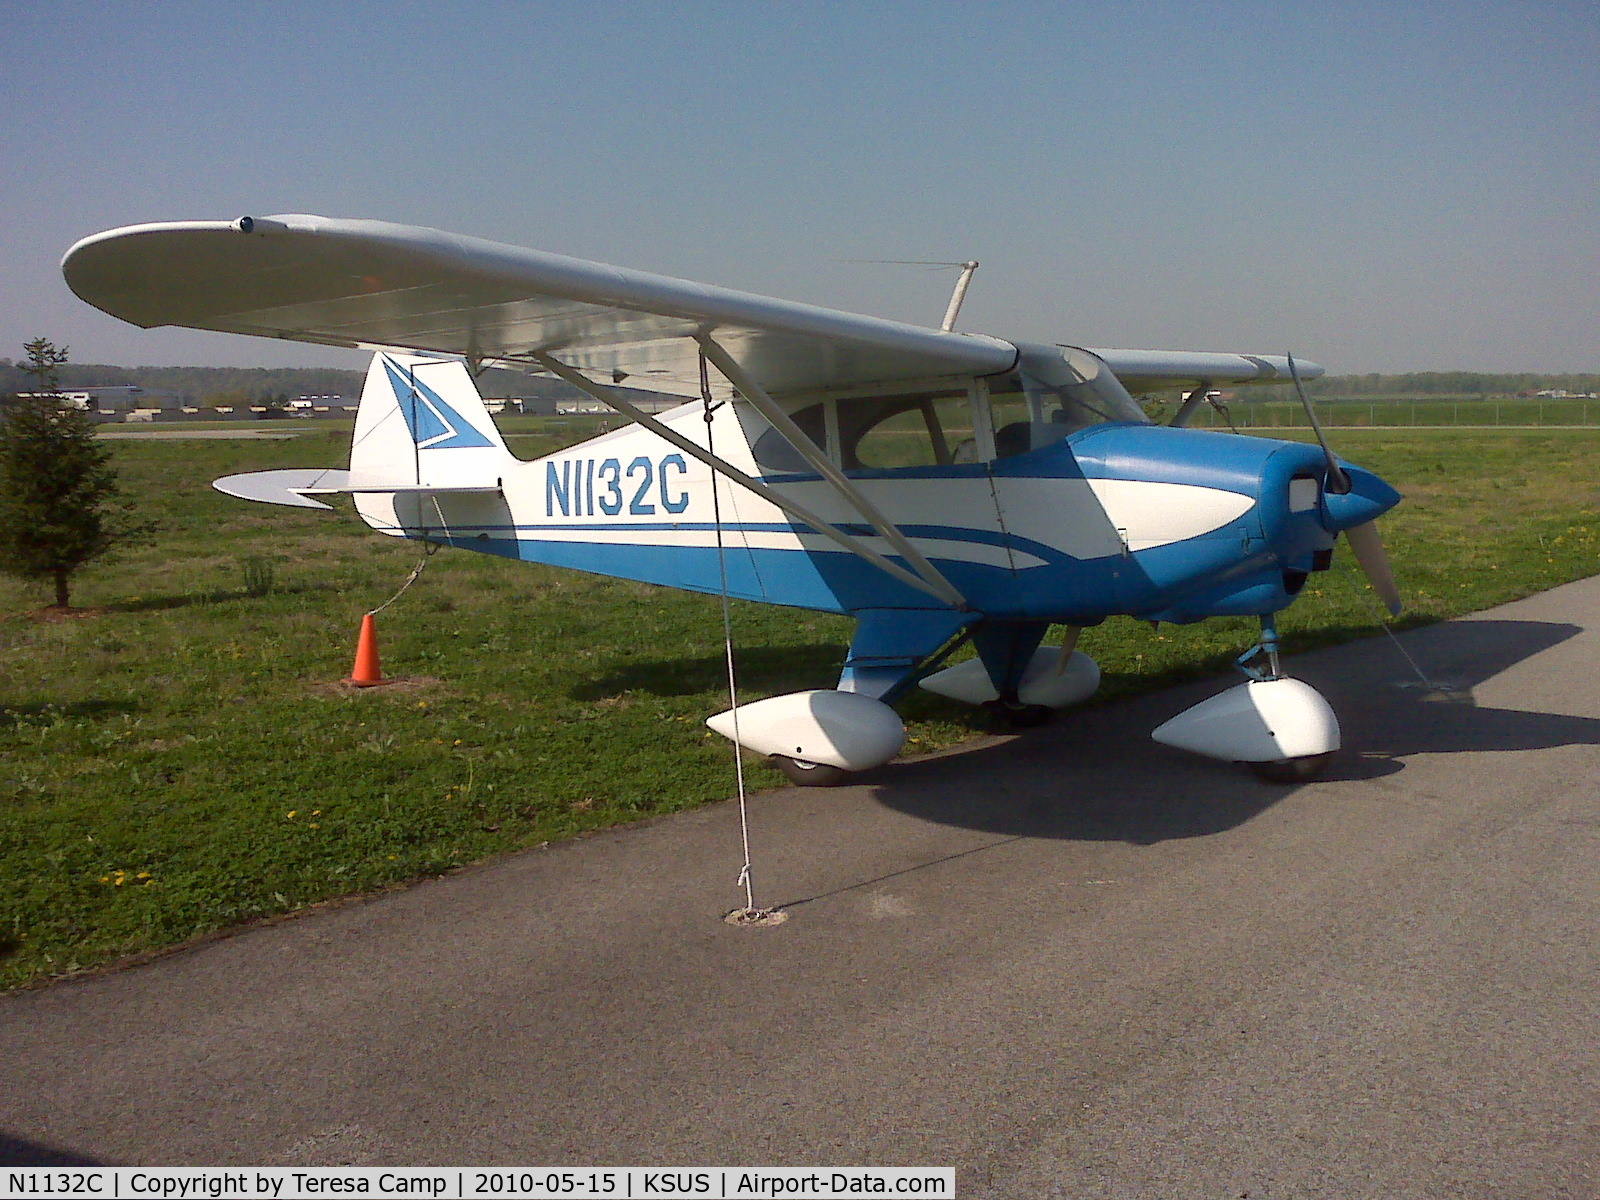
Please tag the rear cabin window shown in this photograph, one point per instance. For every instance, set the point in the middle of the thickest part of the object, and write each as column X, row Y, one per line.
column 883, row 433
column 774, row 452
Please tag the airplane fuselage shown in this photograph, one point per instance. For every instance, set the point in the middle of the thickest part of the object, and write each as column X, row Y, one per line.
column 1169, row 524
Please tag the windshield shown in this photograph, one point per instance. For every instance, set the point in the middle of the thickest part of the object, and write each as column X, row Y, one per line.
column 1055, row 391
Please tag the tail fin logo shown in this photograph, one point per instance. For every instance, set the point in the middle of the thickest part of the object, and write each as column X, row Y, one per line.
column 433, row 423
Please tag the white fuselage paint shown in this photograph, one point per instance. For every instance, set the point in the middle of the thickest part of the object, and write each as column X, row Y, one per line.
column 1086, row 519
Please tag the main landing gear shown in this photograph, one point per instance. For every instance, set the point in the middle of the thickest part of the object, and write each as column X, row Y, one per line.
column 1282, row 728
column 809, row 774
column 818, row 738
column 1012, row 713
column 823, row 738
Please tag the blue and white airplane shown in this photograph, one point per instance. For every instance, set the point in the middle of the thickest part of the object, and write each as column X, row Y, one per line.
column 940, row 487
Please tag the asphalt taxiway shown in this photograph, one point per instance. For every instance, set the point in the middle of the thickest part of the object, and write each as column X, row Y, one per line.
column 1071, row 963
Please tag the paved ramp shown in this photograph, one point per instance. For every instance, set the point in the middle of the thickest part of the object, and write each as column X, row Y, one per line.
column 1068, row 964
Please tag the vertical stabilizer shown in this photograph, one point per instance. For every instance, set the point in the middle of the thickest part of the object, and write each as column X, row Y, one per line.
column 421, row 424
column 421, row 421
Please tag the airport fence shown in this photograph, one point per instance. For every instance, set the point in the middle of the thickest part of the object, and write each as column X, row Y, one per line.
column 1520, row 414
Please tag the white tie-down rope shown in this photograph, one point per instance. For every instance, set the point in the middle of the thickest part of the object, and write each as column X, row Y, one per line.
column 750, row 914
column 428, row 551
column 416, row 573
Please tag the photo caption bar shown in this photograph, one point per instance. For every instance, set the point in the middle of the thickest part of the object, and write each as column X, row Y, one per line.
column 462, row 1183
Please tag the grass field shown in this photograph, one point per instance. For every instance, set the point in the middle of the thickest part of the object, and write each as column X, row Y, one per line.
column 183, row 761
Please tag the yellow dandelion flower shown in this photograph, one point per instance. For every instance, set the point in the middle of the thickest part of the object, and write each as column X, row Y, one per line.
column 290, row 814
column 314, row 825
column 316, row 812
column 142, row 875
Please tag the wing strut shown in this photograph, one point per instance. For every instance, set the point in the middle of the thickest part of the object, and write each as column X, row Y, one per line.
column 757, row 396
column 798, row 512
column 1186, row 410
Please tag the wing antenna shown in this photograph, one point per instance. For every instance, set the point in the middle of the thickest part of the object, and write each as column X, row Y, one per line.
column 968, row 269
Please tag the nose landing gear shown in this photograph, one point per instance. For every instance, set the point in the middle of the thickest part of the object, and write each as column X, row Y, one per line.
column 1281, row 727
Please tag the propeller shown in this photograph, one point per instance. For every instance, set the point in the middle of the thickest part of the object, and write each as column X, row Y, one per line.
column 1365, row 540
column 1367, row 544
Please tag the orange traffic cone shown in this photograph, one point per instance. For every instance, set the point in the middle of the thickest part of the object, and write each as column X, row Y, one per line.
column 367, row 672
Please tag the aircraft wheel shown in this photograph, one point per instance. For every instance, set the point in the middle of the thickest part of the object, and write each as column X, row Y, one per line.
column 810, row 774
column 1293, row 770
column 1018, row 715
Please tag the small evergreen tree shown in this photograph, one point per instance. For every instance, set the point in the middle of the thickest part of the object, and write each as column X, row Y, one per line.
column 58, row 491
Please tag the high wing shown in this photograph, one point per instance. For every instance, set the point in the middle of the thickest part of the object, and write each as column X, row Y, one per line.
column 372, row 283
column 1157, row 370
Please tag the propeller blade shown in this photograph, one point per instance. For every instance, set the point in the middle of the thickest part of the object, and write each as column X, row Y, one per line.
column 1338, row 482
column 1367, row 544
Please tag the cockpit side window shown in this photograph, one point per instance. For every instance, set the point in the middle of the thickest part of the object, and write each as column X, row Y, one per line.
column 907, row 431
column 922, row 429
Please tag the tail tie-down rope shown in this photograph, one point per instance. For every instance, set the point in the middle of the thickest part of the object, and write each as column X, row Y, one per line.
column 368, row 672
column 429, row 549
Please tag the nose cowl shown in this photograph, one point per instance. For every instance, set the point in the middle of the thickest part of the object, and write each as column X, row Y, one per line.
column 1368, row 498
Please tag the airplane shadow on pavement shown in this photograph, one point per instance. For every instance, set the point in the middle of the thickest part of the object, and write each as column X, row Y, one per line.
column 18, row 1152
column 1096, row 776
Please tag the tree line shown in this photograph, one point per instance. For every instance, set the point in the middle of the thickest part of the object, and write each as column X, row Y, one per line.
column 209, row 387
column 1421, row 385
column 202, row 386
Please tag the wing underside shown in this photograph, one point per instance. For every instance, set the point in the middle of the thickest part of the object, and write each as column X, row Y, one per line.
column 375, row 284
column 371, row 283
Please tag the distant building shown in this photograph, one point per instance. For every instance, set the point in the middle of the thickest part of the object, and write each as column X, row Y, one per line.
column 650, row 402
column 123, row 397
column 528, row 406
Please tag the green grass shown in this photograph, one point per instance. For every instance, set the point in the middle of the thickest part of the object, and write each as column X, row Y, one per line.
column 184, row 761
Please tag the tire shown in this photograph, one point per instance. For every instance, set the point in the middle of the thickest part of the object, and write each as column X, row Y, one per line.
column 1019, row 716
column 1293, row 770
column 809, row 774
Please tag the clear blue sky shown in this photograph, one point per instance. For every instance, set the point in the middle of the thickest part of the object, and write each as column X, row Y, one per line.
column 1379, row 187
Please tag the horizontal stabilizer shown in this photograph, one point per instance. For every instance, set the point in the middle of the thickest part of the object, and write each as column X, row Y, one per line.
column 296, row 486
column 283, row 487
